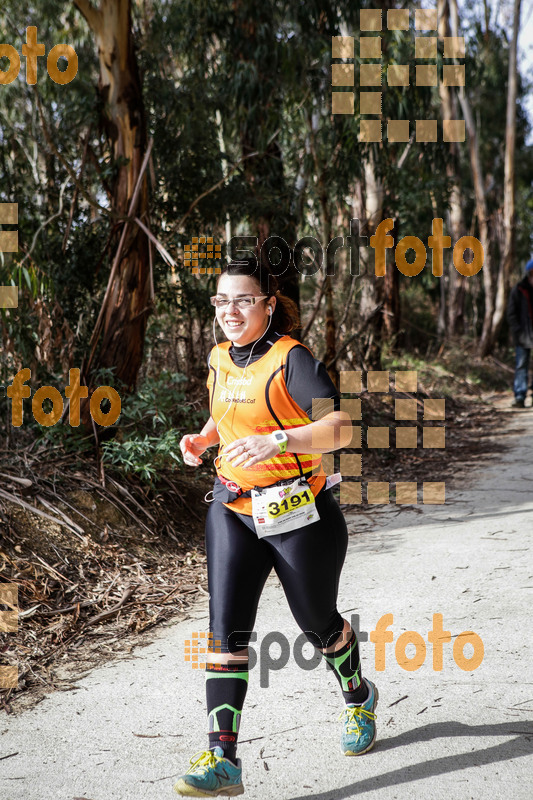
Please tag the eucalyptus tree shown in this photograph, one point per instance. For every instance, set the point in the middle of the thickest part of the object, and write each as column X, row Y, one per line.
column 129, row 294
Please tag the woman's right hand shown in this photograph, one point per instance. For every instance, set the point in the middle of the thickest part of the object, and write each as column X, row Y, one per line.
column 192, row 445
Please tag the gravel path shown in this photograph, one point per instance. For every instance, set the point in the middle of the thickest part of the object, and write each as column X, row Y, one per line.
column 129, row 728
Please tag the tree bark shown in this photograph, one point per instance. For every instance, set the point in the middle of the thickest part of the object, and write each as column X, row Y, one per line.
column 509, row 186
column 480, row 198
column 327, row 228
column 391, row 310
column 372, row 208
column 456, row 282
column 331, row 327
column 127, row 302
column 388, row 289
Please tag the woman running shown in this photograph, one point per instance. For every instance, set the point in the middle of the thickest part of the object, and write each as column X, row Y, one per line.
column 270, row 402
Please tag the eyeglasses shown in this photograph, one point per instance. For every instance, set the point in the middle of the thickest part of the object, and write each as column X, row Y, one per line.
column 240, row 302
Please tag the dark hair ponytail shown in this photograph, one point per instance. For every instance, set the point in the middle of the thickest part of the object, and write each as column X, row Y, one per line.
column 285, row 317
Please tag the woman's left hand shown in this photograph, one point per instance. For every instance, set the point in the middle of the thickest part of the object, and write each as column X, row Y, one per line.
column 250, row 450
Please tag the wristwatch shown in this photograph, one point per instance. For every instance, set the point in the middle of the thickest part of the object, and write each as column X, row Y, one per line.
column 281, row 439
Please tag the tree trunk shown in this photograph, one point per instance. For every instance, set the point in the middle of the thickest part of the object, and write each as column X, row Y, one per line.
column 480, row 197
column 391, row 311
column 456, row 282
column 509, row 185
column 387, row 289
column 370, row 289
column 126, row 305
column 331, row 327
column 327, row 229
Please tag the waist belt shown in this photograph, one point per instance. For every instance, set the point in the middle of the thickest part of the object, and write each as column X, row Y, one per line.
column 226, row 491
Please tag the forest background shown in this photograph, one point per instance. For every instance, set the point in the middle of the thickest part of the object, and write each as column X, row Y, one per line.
column 205, row 118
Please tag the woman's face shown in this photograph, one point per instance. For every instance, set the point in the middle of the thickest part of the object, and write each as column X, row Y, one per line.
column 242, row 325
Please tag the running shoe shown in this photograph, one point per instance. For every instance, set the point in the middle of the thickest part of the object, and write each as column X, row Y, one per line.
column 359, row 725
column 210, row 775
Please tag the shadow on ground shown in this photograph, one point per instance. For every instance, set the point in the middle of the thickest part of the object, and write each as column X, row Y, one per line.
column 520, row 745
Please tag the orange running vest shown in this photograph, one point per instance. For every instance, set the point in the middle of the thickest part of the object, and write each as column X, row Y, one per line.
column 261, row 404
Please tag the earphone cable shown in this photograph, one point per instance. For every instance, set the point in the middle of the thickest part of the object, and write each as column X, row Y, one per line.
column 235, row 388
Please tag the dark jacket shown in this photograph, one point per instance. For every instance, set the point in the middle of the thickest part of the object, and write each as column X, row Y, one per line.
column 520, row 313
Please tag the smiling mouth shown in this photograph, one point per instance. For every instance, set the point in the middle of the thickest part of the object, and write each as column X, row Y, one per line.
column 234, row 323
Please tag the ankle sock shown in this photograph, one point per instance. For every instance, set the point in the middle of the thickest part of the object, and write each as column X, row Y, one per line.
column 346, row 667
column 225, row 686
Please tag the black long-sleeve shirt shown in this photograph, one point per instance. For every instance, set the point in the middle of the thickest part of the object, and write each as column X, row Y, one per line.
column 520, row 313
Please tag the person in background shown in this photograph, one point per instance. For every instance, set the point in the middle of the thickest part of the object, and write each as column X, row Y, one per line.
column 520, row 317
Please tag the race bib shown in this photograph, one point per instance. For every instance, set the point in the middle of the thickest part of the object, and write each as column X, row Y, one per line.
column 277, row 509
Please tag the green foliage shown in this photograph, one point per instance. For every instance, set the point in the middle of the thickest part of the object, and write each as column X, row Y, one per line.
column 257, row 76
column 152, row 422
column 62, row 436
column 55, row 269
column 144, row 455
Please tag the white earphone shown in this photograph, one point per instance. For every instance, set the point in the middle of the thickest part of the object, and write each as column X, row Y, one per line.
column 270, row 310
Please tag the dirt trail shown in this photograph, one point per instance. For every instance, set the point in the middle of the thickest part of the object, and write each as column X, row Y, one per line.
column 128, row 729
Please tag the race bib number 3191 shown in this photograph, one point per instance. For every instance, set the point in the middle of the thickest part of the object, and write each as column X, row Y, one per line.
column 277, row 509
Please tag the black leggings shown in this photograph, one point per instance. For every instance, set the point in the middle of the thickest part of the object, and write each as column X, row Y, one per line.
column 308, row 562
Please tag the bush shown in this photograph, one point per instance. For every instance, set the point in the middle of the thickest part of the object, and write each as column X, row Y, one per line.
column 152, row 422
